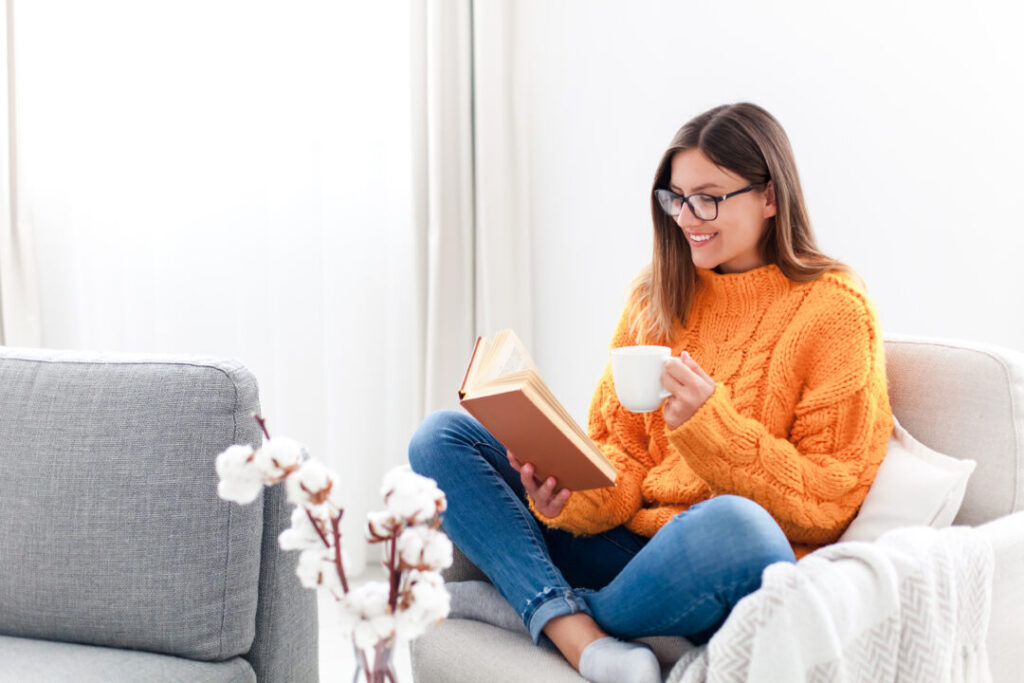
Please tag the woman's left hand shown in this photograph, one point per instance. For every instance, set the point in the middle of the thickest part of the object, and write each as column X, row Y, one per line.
column 690, row 387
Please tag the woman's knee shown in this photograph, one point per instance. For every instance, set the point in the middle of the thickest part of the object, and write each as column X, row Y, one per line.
column 438, row 431
column 753, row 528
column 749, row 533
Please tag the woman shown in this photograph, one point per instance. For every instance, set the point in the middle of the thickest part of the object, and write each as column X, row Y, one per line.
column 777, row 421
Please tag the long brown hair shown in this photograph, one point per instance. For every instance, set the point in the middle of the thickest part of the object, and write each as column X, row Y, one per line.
column 747, row 140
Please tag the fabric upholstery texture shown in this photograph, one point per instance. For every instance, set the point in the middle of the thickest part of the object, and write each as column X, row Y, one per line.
column 26, row 660
column 111, row 531
column 286, row 647
column 966, row 400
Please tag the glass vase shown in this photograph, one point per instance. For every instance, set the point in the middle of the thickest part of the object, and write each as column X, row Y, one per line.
column 375, row 664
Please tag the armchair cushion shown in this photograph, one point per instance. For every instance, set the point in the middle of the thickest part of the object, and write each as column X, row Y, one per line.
column 111, row 531
column 26, row 659
column 915, row 486
column 965, row 399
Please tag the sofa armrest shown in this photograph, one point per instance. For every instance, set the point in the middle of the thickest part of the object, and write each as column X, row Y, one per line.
column 1006, row 623
column 286, row 645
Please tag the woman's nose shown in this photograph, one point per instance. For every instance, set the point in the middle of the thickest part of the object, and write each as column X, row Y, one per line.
column 686, row 217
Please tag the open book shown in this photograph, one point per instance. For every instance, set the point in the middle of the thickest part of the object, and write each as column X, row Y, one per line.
column 503, row 390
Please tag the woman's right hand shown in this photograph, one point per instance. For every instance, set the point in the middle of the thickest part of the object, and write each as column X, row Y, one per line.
column 547, row 502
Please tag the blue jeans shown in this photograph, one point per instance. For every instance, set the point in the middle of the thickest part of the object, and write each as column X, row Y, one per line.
column 683, row 582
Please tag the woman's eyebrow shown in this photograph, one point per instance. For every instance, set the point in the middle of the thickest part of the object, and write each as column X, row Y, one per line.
column 705, row 186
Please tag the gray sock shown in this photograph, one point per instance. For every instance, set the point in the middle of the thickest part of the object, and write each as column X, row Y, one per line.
column 609, row 660
column 481, row 601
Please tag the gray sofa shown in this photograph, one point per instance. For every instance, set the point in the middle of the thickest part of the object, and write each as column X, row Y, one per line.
column 118, row 562
column 960, row 398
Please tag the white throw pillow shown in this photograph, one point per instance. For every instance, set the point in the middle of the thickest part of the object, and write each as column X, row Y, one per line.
column 915, row 486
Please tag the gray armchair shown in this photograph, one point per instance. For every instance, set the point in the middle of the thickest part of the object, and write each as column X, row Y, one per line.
column 962, row 399
column 118, row 562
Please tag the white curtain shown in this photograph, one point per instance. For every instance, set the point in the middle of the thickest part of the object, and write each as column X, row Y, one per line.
column 444, row 134
column 19, row 304
column 476, row 210
column 503, row 267
column 235, row 178
column 291, row 184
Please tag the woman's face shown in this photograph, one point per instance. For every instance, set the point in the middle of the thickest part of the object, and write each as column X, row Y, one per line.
column 737, row 229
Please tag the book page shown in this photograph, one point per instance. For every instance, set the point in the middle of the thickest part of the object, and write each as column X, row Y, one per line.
column 506, row 354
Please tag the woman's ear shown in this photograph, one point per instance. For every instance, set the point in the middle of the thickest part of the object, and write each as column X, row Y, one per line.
column 770, row 207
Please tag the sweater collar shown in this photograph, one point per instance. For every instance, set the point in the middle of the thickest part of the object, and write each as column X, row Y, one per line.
column 746, row 290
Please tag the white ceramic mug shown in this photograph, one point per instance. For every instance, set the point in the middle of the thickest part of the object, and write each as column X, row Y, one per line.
column 636, row 373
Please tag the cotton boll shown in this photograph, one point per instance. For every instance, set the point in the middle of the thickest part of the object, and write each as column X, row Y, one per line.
column 364, row 635
column 424, row 548
column 318, row 571
column 310, row 485
column 233, row 461
column 308, row 569
column 240, row 480
column 412, row 497
column 410, row 546
column 383, row 626
column 427, row 603
column 280, row 456
column 438, row 551
column 429, row 593
column 411, row 623
column 381, row 525
column 239, row 490
column 366, row 615
column 393, row 476
column 301, row 535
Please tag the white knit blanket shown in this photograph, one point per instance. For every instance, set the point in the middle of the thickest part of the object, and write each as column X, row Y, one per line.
column 912, row 606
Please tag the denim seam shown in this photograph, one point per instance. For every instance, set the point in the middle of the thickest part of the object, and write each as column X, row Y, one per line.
column 661, row 626
column 694, row 606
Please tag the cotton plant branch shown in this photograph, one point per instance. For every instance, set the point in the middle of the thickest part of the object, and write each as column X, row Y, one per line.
column 374, row 615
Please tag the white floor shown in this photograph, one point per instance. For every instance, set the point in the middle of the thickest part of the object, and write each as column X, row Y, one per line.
column 337, row 661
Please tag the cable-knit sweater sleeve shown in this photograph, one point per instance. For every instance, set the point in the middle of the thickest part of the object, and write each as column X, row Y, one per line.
column 813, row 480
column 622, row 437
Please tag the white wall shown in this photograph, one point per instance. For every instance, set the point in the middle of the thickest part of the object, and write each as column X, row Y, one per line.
column 905, row 119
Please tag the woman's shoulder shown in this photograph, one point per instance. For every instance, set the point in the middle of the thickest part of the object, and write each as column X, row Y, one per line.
column 837, row 320
column 839, row 293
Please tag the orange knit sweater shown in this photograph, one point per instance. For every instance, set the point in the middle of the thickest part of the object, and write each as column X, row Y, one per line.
column 798, row 421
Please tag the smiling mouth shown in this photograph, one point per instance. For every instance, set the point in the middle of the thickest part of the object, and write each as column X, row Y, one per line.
column 698, row 240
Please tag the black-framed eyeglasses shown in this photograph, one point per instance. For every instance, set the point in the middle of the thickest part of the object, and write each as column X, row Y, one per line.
column 703, row 206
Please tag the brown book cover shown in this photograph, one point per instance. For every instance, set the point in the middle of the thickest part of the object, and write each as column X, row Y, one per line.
column 521, row 413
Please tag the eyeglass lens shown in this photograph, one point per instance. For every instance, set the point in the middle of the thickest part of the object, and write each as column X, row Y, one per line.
column 702, row 205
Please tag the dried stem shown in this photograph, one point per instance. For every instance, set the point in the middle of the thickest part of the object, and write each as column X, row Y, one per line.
column 263, row 425
column 327, row 544
column 366, row 666
column 378, row 661
column 393, row 574
column 335, row 524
